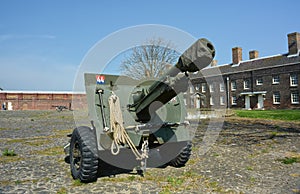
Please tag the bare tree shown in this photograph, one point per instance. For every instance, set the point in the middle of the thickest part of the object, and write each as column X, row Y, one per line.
column 149, row 60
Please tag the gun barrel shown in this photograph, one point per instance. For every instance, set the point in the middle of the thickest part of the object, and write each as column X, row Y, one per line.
column 195, row 58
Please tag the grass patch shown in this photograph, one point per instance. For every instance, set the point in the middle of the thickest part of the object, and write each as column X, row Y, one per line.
column 175, row 181
column 7, row 159
column 289, row 160
column 38, row 143
column 53, row 151
column 172, row 182
column 33, row 141
column 285, row 115
column 250, row 168
column 17, row 182
column 5, row 182
column 7, row 128
column 62, row 132
column 8, row 152
column 77, row 183
column 62, row 190
column 17, row 140
column 252, row 179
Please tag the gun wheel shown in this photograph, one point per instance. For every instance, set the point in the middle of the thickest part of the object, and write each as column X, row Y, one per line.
column 183, row 156
column 83, row 155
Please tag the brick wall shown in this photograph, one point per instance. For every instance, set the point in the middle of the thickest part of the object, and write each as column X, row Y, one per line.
column 40, row 101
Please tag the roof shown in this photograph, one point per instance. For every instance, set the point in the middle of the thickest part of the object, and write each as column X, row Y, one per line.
column 250, row 65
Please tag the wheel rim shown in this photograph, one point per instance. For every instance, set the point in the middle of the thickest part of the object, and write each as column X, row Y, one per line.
column 76, row 160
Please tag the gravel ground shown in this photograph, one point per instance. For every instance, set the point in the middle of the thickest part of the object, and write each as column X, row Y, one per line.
column 248, row 157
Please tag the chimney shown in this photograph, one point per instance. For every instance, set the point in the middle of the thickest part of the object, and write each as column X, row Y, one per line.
column 253, row 54
column 214, row 63
column 294, row 43
column 236, row 55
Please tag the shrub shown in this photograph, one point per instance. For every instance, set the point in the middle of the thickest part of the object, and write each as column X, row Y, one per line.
column 8, row 152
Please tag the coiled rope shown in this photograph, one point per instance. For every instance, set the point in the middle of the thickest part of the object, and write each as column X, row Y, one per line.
column 120, row 135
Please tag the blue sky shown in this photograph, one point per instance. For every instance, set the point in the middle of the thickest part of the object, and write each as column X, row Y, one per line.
column 42, row 43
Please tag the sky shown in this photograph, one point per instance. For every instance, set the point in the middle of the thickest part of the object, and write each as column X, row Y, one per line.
column 43, row 43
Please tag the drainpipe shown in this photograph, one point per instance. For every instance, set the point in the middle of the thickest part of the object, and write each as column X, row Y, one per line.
column 252, row 82
column 228, row 97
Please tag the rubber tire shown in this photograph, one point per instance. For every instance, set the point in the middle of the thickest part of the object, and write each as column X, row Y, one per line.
column 183, row 156
column 85, row 140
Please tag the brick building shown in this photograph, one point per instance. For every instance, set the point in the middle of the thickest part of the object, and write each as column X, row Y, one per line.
column 270, row 82
column 257, row 83
column 38, row 100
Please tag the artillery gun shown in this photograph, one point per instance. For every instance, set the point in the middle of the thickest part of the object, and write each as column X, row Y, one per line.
column 136, row 123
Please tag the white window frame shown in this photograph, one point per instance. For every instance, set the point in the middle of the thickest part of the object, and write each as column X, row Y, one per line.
column 245, row 84
column 293, row 80
column 275, row 79
column 211, row 88
column 233, row 85
column 191, row 89
column 222, row 100
column 276, row 96
column 211, row 101
column 294, row 97
column 233, row 100
column 222, row 87
column 192, row 101
column 185, row 102
column 203, row 87
column 259, row 81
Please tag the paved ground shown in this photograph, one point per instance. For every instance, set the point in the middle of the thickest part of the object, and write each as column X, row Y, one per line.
column 248, row 157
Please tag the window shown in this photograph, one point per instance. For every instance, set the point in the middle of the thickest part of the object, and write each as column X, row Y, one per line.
column 276, row 98
column 192, row 100
column 247, row 84
column 184, row 100
column 259, row 81
column 203, row 103
column 191, row 89
column 211, row 101
column 222, row 87
column 211, row 87
column 233, row 100
column 275, row 79
column 294, row 80
column 197, row 87
column 198, row 103
column 233, row 85
column 203, row 87
column 222, row 100
column 295, row 97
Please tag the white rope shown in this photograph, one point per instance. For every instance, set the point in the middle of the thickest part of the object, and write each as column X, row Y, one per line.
column 120, row 135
